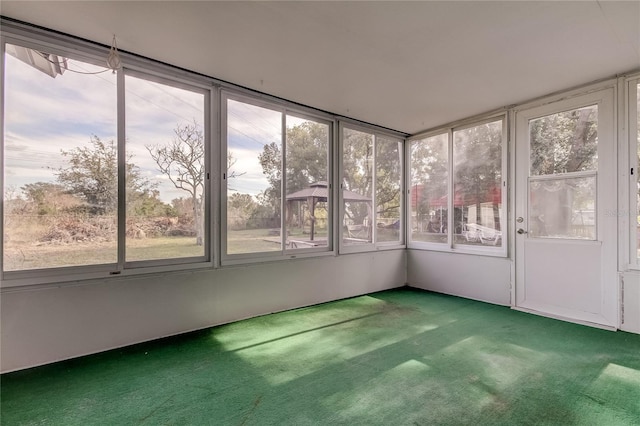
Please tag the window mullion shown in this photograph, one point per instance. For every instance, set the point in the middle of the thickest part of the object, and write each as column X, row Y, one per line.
column 283, row 184
column 452, row 195
column 122, row 168
column 634, row 154
column 374, row 193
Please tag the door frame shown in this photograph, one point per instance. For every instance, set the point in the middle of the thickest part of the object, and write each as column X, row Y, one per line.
column 604, row 95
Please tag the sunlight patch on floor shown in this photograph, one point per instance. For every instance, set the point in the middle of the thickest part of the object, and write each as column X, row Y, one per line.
column 354, row 404
column 495, row 365
column 613, row 398
column 257, row 331
column 302, row 354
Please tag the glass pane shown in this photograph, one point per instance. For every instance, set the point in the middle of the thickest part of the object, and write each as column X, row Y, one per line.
column 165, row 171
column 357, row 186
column 388, row 189
column 254, row 170
column 477, row 181
column 60, row 170
column 564, row 142
column 429, row 189
column 563, row 208
column 307, row 208
column 637, row 230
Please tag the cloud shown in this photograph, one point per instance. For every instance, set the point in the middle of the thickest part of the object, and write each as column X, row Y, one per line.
column 44, row 116
column 252, row 126
column 251, row 179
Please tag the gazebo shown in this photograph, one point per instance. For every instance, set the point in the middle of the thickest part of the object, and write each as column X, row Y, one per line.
column 319, row 192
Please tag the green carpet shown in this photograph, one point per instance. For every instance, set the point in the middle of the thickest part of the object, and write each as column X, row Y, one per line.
column 401, row 357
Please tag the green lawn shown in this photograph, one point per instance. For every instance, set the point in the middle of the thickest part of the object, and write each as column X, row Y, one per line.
column 25, row 256
column 21, row 255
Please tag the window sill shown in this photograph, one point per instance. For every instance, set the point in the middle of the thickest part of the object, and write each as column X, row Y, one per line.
column 19, row 280
column 479, row 251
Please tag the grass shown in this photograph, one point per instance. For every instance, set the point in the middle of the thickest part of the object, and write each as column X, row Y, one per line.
column 162, row 248
column 34, row 256
column 21, row 255
column 251, row 241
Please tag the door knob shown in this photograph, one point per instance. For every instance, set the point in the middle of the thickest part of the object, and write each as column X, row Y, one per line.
column 521, row 231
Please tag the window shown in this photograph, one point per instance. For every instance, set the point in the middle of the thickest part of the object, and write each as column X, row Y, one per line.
column 371, row 189
column 60, row 162
column 165, row 171
column 457, row 188
column 388, row 184
column 564, row 165
column 263, row 144
column 76, row 197
column 429, row 188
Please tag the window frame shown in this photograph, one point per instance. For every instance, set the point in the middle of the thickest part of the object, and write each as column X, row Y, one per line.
column 428, row 245
column 374, row 245
column 627, row 213
column 206, row 192
column 450, row 246
column 284, row 252
column 88, row 53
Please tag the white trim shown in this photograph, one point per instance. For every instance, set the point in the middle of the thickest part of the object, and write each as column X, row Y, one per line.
column 2, row 127
column 628, row 182
column 122, row 156
column 285, row 111
column 606, row 233
column 462, row 124
column 591, row 323
column 450, row 246
column 121, row 267
column 566, row 95
column 374, row 245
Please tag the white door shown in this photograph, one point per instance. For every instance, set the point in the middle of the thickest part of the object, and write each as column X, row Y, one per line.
column 565, row 236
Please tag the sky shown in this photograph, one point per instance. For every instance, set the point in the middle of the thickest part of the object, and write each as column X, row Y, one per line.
column 249, row 129
column 45, row 115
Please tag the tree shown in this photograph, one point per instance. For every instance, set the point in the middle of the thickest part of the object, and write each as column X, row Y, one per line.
column 240, row 209
column 478, row 166
column 182, row 161
column 307, row 152
column 565, row 142
column 92, row 175
column 429, row 179
column 49, row 198
column 357, row 160
column 388, row 178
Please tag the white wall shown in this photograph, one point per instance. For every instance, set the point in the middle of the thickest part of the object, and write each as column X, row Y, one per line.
column 44, row 325
column 631, row 299
column 482, row 278
column 487, row 279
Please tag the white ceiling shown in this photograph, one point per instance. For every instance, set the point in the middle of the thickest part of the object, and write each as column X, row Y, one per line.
column 408, row 66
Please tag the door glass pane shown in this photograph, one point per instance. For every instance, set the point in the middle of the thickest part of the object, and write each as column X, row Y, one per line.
column 358, row 159
column 164, row 172
column 477, row 201
column 563, row 208
column 254, row 170
column 429, row 188
column 307, row 207
column 388, row 189
column 564, row 142
column 60, row 162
